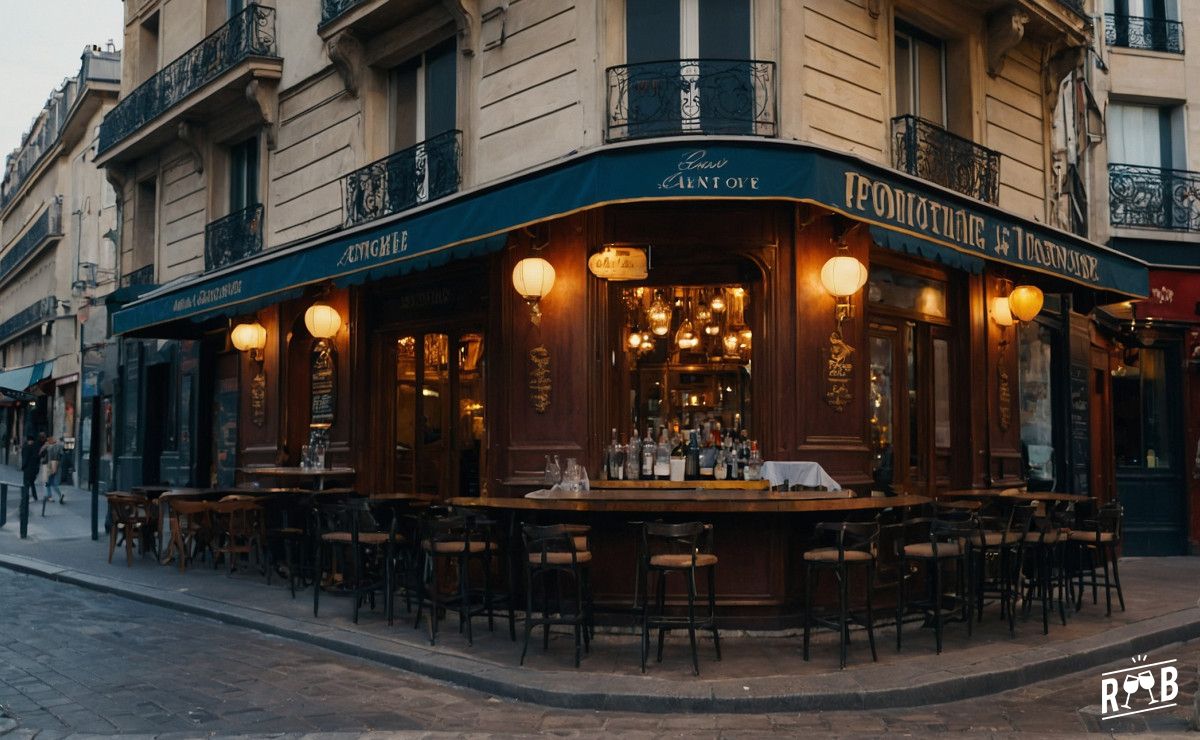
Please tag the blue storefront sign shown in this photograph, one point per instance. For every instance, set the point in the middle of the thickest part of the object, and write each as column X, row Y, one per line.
column 476, row 222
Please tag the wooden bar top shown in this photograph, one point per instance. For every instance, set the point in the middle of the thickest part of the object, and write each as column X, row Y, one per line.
column 749, row 502
column 740, row 485
column 680, row 493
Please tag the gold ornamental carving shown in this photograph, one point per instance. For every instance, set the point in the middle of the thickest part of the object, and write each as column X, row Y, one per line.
column 838, row 372
column 539, row 378
column 258, row 399
column 1004, row 413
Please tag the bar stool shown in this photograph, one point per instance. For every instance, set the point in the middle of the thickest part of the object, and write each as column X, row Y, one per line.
column 1001, row 538
column 1099, row 538
column 581, row 534
column 1043, row 570
column 459, row 539
column 347, row 527
column 854, row 545
column 936, row 543
column 678, row 549
column 552, row 552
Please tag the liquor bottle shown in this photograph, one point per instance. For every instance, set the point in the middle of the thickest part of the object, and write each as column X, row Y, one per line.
column 678, row 461
column 662, row 456
column 720, row 465
column 754, row 462
column 616, row 462
column 633, row 456
column 731, row 456
column 648, row 451
column 691, row 470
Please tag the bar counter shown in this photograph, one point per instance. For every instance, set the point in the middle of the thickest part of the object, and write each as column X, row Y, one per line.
column 760, row 537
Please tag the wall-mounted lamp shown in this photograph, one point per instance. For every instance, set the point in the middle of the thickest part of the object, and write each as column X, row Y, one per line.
column 1025, row 302
column 322, row 320
column 533, row 277
column 250, row 338
column 1001, row 311
column 842, row 277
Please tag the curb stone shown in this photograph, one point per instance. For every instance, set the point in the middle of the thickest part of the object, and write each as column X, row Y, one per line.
column 825, row 692
column 7, row 725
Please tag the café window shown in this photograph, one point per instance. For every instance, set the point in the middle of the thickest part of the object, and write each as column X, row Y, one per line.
column 910, row 293
column 1036, row 342
column 687, row 351
column 1142, row 421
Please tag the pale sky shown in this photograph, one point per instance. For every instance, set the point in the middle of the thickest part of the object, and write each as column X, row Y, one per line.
column 40, row 44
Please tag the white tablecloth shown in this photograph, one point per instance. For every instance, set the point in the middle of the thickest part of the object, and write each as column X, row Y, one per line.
column 798, row 472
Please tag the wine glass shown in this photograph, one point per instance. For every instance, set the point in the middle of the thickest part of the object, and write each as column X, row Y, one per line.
column 1130, row 685
column 570, row 478
column 553, row 475
column 1146, row 680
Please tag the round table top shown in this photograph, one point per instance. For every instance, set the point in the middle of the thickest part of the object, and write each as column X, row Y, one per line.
column 748, row 504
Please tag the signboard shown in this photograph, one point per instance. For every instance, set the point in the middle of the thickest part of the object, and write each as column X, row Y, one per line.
column 619, row 263
column 323, row 383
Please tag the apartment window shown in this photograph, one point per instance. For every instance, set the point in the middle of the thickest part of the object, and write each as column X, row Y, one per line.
column 243, row 175
column 920, row 75
column 148, row 48
column 423, row 96
column 233, row 7
column 660, row 30
column 1143, row 424
column 1149, row 136
column 145, row 223
column 1144, row 24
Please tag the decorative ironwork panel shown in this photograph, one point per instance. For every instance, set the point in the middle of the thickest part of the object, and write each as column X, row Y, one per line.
column 420, row 173
column 331, row 9
column 1153, row 197
column 144, row 275
column 927, row 150
column 233, row 237
column 691, row 96
column 1077, row 202
column 1136, row 32
column 28, row 316
column 250, row 33
column 47, row 225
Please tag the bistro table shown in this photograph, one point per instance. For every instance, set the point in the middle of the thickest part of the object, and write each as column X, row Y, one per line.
column 315, row 476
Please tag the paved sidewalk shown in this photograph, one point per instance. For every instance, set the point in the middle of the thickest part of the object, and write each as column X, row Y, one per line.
column 760, row 673
column 70, row 520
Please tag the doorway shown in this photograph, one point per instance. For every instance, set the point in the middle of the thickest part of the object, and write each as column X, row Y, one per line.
column 436, row 421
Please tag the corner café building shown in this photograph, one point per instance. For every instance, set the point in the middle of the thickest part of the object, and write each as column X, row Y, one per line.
column 444, row 384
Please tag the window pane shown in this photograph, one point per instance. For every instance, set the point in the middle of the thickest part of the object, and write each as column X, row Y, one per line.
column 930, row 86
column 651, row 30
column 913, row 409
column 724, row 29
column 904, row 97
column 1036, row 407
column 440, row 89
column 941, row 393
column 882, row 404
column 909, row 292
column 1156, row 421
column 469, row 436
column 406, row 413
column 404, row 106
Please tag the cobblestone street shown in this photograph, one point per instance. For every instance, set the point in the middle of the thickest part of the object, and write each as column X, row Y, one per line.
column 76, row 661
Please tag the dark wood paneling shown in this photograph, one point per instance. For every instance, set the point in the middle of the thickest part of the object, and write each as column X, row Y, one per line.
column 1004, row 441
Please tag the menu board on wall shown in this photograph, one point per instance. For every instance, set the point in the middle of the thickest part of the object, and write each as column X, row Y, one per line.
column 226, row 402
column 323, row 383
column 132, row 378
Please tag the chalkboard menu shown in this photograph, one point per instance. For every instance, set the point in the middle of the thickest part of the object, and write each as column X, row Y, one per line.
column 226, row 402
column 131, row 376
column 323, row 383
column 1080, row 393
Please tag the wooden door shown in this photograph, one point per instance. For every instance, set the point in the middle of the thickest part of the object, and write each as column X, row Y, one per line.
column 1102, row 479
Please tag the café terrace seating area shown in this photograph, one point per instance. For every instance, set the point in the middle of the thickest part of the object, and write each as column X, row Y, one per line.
column 886, row 579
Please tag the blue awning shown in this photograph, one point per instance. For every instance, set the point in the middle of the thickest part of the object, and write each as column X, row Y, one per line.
column 14, row 383
column 926, row 249
column 915, row 215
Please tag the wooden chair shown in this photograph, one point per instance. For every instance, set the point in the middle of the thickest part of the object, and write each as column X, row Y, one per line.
column 681, row 549
column 133, row 520
column 236, row 531
column 191, row 530
column 552, row 552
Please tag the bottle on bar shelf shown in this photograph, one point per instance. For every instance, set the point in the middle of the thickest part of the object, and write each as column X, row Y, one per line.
column 662, row 456
column 615, row 459
column 720, row 464
column 691, row 469
column 678, row 459
column 648, row 451
column 633, row 456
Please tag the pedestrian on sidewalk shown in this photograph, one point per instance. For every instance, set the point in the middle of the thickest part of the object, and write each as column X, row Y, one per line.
column 52, row 451
column 30, row 462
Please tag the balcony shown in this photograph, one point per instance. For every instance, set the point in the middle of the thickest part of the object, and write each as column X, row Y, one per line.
column 1153, row 198
column 247, row 36
column 691, row 96
column 331, row 9
column 28, row 317
column 1152, row 34
column 144, row 275
column 233, row 237
column 46, row 227
column 932, row 153
column 418, row 174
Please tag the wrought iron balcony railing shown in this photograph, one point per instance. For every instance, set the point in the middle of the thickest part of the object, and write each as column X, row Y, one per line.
column 1135, row 32
column 1153, row 197
column 930, row 152
column 331, row 9
column 418, row 174
column 47, row 225
column 691, row 96
column 144, row 275
column 28, row 317
column 1077, row 202
column 1075, row 6
column 250, row 33
column 233, row 237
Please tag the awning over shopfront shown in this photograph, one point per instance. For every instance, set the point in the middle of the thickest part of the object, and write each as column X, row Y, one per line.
column 14, row 383
column 1172, row 296
column 916, row 215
